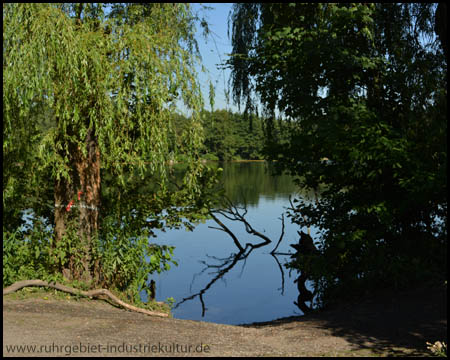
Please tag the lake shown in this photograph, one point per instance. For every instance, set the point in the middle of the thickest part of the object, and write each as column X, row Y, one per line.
column 210, row 282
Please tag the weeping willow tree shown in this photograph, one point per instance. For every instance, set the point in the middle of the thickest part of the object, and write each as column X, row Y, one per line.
column 88, row 93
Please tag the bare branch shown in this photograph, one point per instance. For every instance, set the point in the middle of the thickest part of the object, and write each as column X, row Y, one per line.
column 91, row 293
column 281, row 270
column 233, row 213
column 281, row 235
column 223, row 268
column 228, row 231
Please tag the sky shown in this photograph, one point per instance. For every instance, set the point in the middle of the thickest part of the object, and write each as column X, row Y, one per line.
column 213, row 50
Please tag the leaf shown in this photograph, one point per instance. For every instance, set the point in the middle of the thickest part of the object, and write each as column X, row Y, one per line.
column 154, row 260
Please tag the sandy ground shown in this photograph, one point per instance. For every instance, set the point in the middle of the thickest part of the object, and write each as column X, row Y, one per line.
column 391, row 324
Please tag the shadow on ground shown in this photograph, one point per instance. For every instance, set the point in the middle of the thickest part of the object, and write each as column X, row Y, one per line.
column 389, row 324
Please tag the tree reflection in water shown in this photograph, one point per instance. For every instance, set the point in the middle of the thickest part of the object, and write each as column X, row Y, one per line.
column 223, row 265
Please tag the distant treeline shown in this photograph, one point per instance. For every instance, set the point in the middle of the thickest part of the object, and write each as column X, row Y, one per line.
column 234, row 136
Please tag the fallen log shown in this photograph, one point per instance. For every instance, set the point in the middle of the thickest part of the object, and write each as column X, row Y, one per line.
column 91, row 293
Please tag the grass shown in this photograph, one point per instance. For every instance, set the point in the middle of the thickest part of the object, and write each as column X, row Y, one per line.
column 53, row 294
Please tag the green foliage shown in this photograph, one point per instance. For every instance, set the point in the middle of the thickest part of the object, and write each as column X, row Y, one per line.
column 30, row 252
column 120, row 75
column 126, row 259
column 123, row 255
column 26, row 256
column 364, row 86
column 219, row 138
column 170, row 301
column 232, row 136
column 245, row 182
column 71, row 70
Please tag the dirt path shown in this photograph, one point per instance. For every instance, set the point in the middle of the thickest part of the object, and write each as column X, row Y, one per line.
column 387, row 325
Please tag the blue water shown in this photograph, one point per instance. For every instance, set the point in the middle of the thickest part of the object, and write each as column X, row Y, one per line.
column 252, row 290
column 257, row 288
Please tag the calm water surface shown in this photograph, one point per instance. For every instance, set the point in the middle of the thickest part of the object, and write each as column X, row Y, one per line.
column 210, row 283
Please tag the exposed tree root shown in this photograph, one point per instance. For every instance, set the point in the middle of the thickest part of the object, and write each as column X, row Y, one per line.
column 91, row 293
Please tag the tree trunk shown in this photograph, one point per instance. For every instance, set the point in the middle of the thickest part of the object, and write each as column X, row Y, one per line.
column 79, row 200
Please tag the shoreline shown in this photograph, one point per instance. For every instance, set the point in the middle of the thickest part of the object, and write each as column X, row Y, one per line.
column 389, row 324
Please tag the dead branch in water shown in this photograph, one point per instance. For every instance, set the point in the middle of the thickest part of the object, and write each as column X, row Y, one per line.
column 91, row 293
column 281, row 235
column 235, row 213
column 228, row 231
